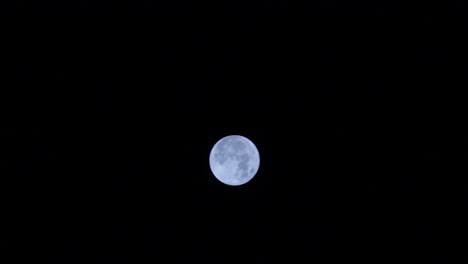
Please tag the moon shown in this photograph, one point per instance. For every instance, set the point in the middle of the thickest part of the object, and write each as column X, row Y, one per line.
column 234, row 160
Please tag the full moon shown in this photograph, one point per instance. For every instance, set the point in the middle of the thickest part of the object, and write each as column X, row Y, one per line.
column 234, row 160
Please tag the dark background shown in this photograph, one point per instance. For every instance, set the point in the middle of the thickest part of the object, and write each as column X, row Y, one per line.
column 110, row 111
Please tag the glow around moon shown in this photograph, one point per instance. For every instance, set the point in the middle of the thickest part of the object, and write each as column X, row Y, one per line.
column 234, row 160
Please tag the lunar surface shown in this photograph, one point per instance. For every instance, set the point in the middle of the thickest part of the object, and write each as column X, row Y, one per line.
column 234, row 160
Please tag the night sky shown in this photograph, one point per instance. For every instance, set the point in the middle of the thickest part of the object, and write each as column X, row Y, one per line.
column 110, row 112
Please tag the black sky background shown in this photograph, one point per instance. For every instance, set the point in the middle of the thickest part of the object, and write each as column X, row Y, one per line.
column 115, row 107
